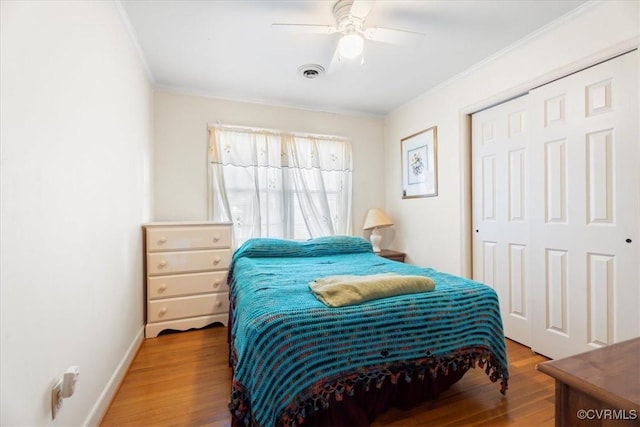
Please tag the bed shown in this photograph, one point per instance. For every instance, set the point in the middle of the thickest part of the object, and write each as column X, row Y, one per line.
column 297, row 361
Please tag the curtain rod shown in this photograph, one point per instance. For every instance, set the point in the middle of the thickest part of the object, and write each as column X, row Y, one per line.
column 249, row 129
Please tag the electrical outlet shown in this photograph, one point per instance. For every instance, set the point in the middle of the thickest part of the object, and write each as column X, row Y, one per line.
column 56, row 399
column 69, row 380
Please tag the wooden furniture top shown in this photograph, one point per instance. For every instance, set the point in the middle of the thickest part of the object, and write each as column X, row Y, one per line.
column 610, row 374
column 393, row 255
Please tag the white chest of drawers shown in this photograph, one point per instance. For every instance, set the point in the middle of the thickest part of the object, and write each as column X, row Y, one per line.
column 186, row 267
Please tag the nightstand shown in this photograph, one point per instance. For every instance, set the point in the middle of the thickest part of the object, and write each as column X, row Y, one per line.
column 392, row 255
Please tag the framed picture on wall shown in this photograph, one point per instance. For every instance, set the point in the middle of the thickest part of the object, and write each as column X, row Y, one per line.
column 420, row 164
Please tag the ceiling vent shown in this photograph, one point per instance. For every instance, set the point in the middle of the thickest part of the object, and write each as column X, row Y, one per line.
column 311, row 71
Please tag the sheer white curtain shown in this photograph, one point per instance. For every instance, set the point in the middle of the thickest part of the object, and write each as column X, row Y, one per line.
column 274, row 184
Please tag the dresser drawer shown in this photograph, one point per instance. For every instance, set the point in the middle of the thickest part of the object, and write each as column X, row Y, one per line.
column 188, row 237
column 186, row 284
column 177, row 308
column 187, row 261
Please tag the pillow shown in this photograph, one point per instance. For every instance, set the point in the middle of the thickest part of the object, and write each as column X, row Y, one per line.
column 320, row 246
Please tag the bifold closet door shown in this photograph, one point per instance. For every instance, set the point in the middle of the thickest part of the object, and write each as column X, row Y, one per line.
column 500, row 136
column 585, row 199
column 556, row 209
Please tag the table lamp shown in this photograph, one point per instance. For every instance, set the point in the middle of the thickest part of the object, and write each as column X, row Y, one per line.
column 376, row 219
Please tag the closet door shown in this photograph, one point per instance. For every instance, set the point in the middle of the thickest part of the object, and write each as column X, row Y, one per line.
column 585, row 209
column 501, row 212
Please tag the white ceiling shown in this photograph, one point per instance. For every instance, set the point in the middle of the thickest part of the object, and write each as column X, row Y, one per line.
column 228, row 49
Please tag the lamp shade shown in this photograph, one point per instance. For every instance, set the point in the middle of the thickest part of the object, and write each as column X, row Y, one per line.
column 376, row 218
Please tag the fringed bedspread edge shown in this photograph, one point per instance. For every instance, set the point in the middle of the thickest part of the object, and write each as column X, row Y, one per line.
column 318, row 396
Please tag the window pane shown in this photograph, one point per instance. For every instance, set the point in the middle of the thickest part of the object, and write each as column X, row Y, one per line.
column 270, row 184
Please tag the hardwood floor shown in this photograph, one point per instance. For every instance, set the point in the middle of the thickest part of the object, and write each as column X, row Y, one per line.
column 183, row 379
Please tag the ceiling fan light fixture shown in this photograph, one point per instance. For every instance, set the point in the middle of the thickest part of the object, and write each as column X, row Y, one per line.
column 351, row 45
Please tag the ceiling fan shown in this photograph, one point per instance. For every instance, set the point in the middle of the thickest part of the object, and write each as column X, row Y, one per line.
column 350, row 16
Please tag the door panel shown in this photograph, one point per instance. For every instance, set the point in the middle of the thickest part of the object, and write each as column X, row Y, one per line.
column 585, row 140
column 499, row 163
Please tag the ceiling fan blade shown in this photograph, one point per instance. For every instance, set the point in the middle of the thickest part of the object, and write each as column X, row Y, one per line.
column 335, row 61
column 305, row 29
column 361, row 8
column 389, row 35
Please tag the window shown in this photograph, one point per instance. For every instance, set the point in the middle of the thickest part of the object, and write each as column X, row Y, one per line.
column 274, row 184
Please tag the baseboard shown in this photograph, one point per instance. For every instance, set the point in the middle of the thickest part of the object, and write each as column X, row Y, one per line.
column 102, row 404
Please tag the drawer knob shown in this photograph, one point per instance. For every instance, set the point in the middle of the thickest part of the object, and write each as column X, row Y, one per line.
column 163, row 263
column 216, row 238
column 162, row 311
column 218, row 303
column 217, row 260
column 216, row 283
column 162, row 288
column 163, row 239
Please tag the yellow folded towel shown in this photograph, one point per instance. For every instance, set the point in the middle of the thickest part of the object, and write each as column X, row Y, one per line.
column 338, row 291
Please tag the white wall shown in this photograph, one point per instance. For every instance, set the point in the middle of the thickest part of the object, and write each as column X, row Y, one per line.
column 75, row 155
column 436, row 231
column 180, row 151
